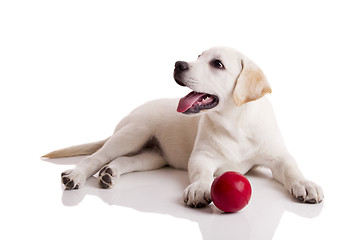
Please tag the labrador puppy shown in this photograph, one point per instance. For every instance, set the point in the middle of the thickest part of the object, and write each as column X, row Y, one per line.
column 225, row 123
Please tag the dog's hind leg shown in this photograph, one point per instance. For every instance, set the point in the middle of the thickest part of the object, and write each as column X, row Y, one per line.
column 128, row 140
column 145, row 160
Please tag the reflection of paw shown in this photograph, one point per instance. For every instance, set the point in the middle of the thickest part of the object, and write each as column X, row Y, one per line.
column 197, row 195
column 72, row 179
column 106, row 177
column 306, row 191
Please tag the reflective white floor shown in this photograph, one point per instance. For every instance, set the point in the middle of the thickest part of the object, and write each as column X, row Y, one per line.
column 160, row 192
column 145, row 204
column 148, row 205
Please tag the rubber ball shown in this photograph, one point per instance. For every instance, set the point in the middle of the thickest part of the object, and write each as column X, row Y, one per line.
column 230, row 192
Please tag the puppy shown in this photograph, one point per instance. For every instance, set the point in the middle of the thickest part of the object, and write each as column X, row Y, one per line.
column 225, row 123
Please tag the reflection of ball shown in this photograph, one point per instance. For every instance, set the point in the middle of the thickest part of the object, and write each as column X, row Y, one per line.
column 230, row 192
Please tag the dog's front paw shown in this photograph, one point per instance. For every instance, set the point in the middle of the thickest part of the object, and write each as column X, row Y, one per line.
column 306, row 191
column 197, row 195
column 107, row 177
column 72, row 179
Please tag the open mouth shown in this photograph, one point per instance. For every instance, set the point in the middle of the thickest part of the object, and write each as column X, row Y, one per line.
column 194, row 102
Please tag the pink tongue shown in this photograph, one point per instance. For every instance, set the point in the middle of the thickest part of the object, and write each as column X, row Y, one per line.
column 186, row 102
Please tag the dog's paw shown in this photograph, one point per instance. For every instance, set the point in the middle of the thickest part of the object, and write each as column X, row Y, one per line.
column 107, row 177
column 306, row 191
column 72, row 179
column 197, row 195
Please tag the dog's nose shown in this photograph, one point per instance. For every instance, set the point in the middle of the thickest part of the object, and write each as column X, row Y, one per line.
column 180, row 68
column 180, row 65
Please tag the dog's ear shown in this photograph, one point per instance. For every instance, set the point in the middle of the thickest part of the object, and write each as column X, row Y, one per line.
column 251, row 83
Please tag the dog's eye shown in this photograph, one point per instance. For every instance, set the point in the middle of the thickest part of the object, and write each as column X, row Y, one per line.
column 217, row 64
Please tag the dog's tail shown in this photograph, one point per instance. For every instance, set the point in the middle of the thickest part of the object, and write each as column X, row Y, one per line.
column 78, row 150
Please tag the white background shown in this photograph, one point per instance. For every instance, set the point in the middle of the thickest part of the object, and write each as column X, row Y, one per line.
column 70, row 70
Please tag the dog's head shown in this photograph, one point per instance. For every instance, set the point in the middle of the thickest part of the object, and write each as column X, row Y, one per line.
column 220, row 76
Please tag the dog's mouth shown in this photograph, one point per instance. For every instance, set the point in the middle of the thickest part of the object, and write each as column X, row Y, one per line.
column 194, row 102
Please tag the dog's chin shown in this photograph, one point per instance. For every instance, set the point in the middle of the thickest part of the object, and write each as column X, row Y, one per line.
column 197, row 102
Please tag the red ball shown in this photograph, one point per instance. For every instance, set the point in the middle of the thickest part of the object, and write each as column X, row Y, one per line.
column 230, row 192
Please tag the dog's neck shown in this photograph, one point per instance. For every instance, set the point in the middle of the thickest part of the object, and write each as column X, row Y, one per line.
column 229, row 116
